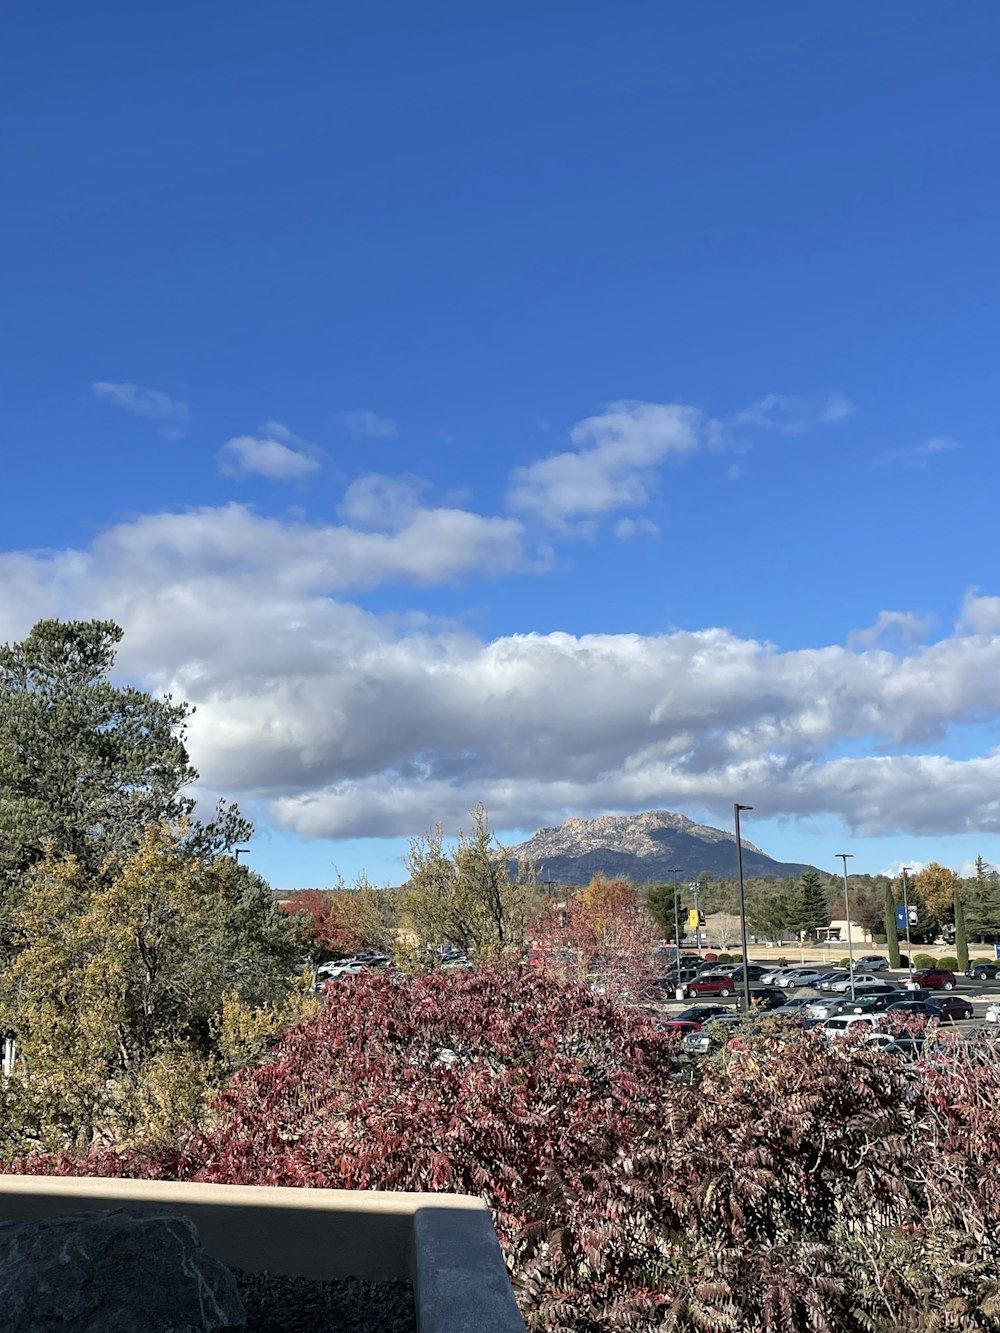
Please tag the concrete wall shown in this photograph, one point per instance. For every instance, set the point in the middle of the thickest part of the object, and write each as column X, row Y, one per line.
column 444, row 1243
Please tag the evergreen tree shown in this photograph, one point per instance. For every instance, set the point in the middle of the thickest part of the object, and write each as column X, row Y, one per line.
column 961, row 933
column 814, row 910
column 984, row 902
column 660, row 899
column 891, row 933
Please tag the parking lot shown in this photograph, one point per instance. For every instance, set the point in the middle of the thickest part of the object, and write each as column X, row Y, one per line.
column 980, row 994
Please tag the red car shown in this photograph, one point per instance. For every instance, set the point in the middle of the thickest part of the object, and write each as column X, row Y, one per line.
column 709, row 986
column 935, row 978
column 678, row 1027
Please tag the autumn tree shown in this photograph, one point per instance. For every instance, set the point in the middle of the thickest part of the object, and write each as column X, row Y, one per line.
column 466, row 897
column 85, row 765
column 126, row 982
column 935, row 887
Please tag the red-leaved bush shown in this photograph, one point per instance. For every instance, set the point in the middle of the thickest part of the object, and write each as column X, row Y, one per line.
column 789, row 1187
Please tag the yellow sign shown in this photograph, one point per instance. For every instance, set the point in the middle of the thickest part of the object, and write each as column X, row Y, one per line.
column 693, row 921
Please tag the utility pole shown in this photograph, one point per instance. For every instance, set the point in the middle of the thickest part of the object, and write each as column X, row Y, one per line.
column 743, row 907
column 845, row 857
column 906, row 914
column 696, row 890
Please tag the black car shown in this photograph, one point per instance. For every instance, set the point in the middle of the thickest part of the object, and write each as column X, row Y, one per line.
column 767, row 997
column 699, row 1013
column 983, row 971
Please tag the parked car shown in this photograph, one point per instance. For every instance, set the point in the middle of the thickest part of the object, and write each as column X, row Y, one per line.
column 709, row 984
column 678, row 1027
column 983, row 971
column 826, row 981
column 767, row 999
column 871, row 962
column 699, row 1013
column 799, row 976
column 840, row 1024
column 793, row 1005
column 712, row 1036
column 875, row 1004
column 771, row 978
column 992, row 1014
column 949, row 1008
column 827, row 1006
column 865, row 985
column 934, row 978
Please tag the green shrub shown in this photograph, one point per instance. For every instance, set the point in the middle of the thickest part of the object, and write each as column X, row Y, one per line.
column 949, row 962
column 844, row 962
column 923, row 960
column 879, row 939
column 725, row 958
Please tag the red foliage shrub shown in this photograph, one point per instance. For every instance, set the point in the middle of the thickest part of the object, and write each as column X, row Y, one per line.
column 791, row 1187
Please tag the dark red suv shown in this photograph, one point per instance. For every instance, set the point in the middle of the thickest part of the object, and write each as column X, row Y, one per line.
column 717, row 985
column 935, row 978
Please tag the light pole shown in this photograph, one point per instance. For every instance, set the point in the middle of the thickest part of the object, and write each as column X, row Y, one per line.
column 677, row 927
column 743, row 909
column 696, row 890
column 906, row 914
column 238, row 852
column 845, row 857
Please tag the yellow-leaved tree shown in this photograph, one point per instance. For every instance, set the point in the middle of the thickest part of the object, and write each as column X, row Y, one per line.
column 136, row 991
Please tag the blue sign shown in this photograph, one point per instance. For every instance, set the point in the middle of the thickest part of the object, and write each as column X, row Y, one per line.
column 901, row 917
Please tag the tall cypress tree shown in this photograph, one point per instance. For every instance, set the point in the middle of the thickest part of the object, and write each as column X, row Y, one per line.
column 891, row 933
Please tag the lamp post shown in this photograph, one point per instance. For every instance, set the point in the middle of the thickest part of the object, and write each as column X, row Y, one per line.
column 238, row 852
column 845, row 857
column 696, row 890
column 743, row 909
column 906, row 914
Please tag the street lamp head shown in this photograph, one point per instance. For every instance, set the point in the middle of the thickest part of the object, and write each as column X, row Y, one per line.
column 743, row 807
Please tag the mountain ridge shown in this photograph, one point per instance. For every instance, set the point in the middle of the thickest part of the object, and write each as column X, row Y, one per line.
column 653, row 845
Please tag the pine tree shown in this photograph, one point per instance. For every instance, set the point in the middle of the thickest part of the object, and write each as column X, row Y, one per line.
column 961, row 934
column 891, row 933
column 984, row 902
column 814, row 910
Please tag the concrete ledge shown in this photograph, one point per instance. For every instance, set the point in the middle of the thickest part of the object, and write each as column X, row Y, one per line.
column 444, row 1243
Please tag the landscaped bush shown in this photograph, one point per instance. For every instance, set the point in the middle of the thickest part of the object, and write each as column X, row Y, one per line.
column 844, row 962
column 949, row 962
column 785, row 1191
column 725, row 958
column 924, row 960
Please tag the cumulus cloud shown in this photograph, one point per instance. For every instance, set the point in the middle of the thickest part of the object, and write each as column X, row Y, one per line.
column 170, row 413
column 343, row 723
column 612, row 465
column 275, row 453
column 791, row 416
column 366, row 425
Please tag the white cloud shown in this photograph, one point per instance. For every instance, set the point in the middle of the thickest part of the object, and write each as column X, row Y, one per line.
column 634, row 527
column 613, row 465
column 905, row 624
column 348, row 724
column 366, row 425
column 792, row 416
column 981, row 615
column 276, row 454
column 919, row 455
column 170, row 413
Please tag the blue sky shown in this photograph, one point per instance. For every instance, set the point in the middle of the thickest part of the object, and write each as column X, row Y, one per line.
column 572, row 407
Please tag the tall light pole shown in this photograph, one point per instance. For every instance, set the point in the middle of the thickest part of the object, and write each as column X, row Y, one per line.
column 238, row 852
column 696, row 890
column 906, row 914
column 743, row 907
column 845, row 857
column 677, row 927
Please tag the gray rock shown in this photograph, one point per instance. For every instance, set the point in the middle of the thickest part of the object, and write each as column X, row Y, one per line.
column 125, row 1270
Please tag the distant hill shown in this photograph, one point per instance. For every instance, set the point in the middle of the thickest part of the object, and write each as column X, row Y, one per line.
column 657, row 845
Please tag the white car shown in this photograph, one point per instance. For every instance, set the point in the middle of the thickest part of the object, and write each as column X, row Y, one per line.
column 992, row 1014
column 841, row 1024
column 772, row 978
column 862, row 986
column 871, row 962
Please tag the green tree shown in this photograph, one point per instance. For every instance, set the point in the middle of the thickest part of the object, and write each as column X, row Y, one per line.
column 813, row 908
column 983, row 911
column 466, row 898
column 137, row 990
column 891, row 931
column 773, row 914
column 961, row 933
column 85, row 765
column 660, row 900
